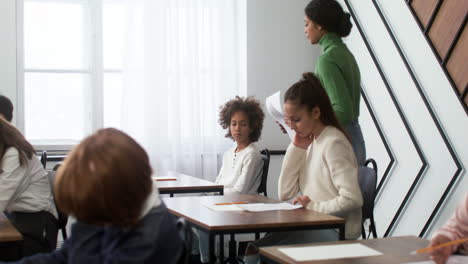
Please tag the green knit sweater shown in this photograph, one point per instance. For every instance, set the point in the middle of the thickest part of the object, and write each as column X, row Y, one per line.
column 339, row 73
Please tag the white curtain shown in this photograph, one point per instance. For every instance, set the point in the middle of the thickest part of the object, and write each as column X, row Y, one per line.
column 182, row 60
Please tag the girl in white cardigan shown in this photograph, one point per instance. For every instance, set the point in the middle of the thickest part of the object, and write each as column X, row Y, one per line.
column 242, row 164
column 319, row 170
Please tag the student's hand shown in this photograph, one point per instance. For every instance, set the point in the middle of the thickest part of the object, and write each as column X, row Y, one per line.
column 303, row 142
column 440, row 255
column 282, row 127
column 303, row 199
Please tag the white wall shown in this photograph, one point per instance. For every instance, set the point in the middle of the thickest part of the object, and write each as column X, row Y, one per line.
column 8, row 50
column 277, row 54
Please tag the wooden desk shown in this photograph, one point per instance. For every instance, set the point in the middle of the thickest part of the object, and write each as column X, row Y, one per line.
column 235, row 222
column 394, row 249
column 187, row 184
column 8, row 232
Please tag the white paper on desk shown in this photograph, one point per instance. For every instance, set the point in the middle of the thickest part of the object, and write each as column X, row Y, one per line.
column 454, row 259
column 274, row 108
column 224, row 207
column 164, row 178
column 329, row 252
column 260, row 207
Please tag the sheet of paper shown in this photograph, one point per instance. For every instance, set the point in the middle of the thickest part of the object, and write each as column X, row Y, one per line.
column 226, row 207
column 454, row 259
column 260, row 207
column 274, row 108
column 329, row 252
column 164, row 178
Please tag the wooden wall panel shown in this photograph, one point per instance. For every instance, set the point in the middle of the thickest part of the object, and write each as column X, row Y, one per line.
column 446, row 24
column 424, row 9
column 457, row 65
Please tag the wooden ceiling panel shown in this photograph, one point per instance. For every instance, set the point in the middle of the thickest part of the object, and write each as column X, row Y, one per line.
column 424, row 9
column 446, row 24
column 457, row 65
column 466, row 99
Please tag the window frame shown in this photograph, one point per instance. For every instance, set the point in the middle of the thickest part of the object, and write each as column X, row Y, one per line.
column 93, row 38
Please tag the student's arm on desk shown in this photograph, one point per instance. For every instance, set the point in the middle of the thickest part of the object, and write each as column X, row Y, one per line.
column 455, row 228
column 288, row 183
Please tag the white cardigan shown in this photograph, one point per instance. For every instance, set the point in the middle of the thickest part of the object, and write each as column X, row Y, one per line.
column 241, row 171
column 327, row 173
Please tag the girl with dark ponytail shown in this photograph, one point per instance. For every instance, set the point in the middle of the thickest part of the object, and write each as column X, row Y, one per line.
column 325, row 24
column 319, row 169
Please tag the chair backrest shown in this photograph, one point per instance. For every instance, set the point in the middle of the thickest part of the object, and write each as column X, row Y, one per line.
column 44, row 158
column 62, row 217
column 368, row 182
column 185, row 232
column 262, row 188
column 57, row 166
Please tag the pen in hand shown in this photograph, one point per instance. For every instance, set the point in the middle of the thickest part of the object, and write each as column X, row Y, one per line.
column 446, row 244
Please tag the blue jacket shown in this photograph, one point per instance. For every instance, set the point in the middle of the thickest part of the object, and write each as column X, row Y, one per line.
column 154, row 240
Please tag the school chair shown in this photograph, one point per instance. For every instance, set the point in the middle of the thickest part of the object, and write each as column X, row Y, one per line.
column 265, row 153
column 57, row 166
column 367, row 182
column 62, row 217
column 262, row 189
column 44, row 158
column 185, row 232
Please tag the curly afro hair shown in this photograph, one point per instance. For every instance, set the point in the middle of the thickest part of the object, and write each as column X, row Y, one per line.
column 248, row 105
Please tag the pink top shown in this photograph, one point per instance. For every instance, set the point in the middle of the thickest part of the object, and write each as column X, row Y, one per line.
column 457, row 226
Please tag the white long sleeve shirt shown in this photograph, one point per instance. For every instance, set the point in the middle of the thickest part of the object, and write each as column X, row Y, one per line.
column 327, row 173
column 24, row 188
column 241, row 171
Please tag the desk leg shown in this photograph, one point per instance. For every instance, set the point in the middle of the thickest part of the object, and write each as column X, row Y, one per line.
column 221, row 248
column 221, row 192
column 232, row 249
column 171, row 195
column 211, row 246
column 342, row 232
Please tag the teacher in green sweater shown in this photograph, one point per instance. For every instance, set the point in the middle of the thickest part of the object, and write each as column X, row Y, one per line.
column 325, row 24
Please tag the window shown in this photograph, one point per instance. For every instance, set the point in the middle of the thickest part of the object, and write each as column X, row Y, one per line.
column 72, row 73
column 159, row 70
column 57, row 72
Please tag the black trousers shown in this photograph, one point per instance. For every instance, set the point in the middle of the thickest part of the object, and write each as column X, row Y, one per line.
column 39, row 232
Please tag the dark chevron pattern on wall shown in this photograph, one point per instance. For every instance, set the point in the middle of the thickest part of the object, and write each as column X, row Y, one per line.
column 436, row 122
column 400, row 113
column 382, row 137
